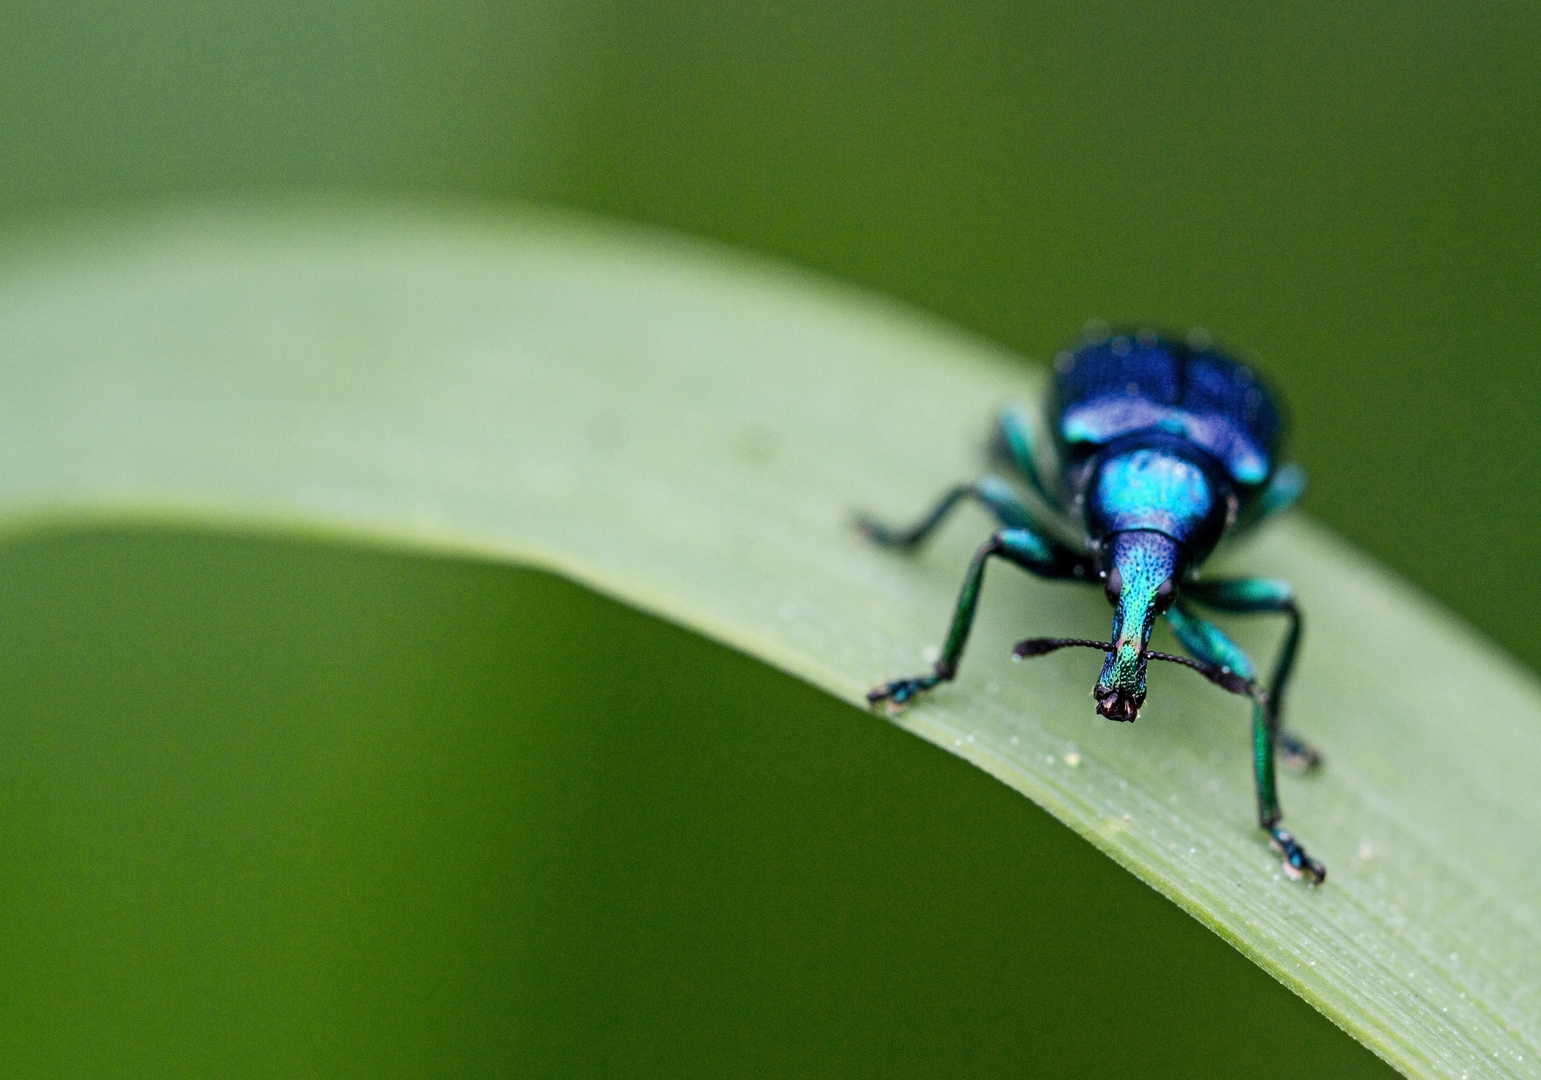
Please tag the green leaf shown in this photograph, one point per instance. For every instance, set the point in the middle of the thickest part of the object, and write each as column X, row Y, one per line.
column 690, row 430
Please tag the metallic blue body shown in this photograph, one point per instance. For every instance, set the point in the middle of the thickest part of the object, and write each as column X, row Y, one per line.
column 1109, row 390
column 1157, row 450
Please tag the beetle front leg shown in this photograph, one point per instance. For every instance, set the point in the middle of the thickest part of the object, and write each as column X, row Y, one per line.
column 1265, row 596
column 1022, row 546
column 1209, row 643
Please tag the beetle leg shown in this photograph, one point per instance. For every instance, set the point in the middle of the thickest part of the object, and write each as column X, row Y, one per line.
column 1023, row 546
column 1016, row 443
column 1263, row 596
column 991, row 492
column 1283, row 491
column 1209, row 643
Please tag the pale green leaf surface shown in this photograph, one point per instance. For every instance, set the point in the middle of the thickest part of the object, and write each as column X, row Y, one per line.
column 690, row 430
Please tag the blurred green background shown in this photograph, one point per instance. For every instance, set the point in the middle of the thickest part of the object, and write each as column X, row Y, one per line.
column 277, row 809
column 1347, row 190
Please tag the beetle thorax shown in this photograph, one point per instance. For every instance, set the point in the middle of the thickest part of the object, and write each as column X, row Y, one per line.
column 1158, row 488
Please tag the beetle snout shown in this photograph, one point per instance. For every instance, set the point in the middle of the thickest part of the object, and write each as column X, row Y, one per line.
column 1121, row 687
column 1119, row 705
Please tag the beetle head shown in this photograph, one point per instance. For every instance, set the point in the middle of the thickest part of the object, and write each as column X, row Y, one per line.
column 1143, row 569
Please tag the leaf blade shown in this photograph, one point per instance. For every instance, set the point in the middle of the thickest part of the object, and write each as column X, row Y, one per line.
column 690, row 431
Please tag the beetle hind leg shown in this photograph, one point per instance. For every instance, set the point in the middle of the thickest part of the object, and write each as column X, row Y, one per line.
column 908, row 539
column 1296, row 753
column 991, row 492
column 1016, row 445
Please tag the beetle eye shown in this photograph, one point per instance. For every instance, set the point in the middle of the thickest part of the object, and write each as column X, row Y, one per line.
column 1165, row 595
column 1115, row 585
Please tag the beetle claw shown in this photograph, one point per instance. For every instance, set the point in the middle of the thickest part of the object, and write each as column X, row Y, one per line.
column 1297, row 864
column 896, row 696
column 893, row 697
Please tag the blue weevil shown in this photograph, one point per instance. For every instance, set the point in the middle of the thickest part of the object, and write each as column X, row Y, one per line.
column 1161, row 448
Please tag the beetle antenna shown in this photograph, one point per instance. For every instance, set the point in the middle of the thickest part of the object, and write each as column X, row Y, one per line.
column 1222, row 677
column 1038, row 646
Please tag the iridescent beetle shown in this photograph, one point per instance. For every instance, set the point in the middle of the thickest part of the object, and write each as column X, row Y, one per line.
column 1160, row 449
